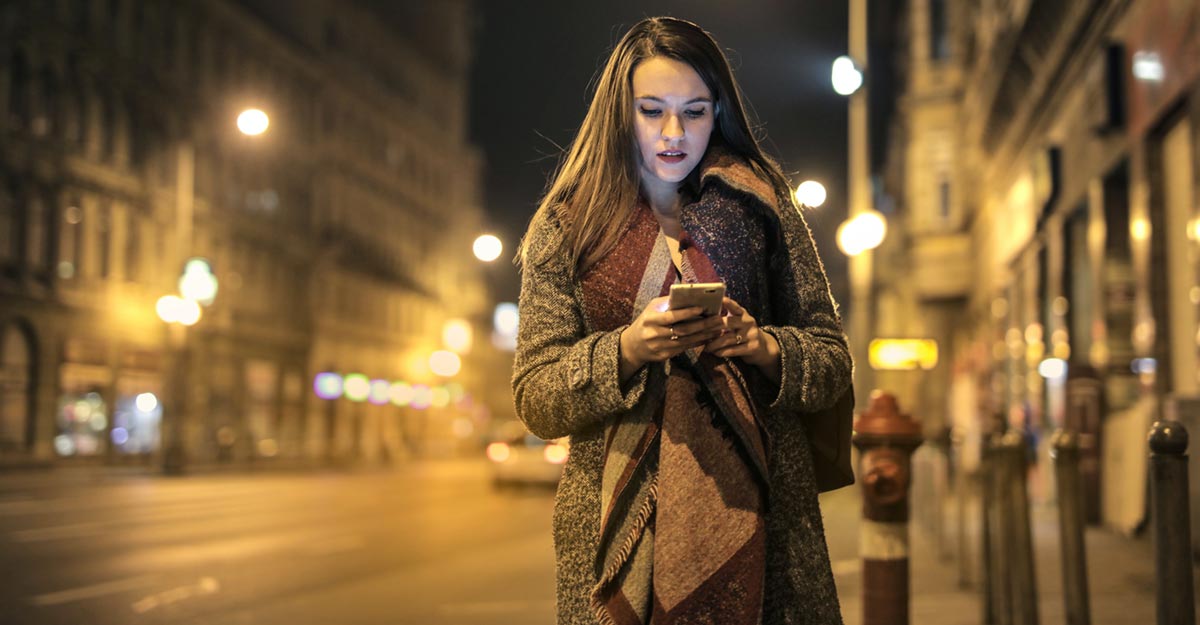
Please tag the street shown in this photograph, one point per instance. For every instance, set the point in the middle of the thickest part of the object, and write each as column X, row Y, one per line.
column 431, row 544
column 427, row 543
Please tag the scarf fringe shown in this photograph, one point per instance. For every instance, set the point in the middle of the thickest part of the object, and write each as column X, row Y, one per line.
column 626, row 549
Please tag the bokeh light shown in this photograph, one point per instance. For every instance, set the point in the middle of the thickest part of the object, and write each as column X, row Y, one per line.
column 146, row 402
column 401, row 394
column 356, row 387
column 445, row 363
column 810, row 193
column 380, row 392
column 253, row 122
column 487, row 248
column 457, row 335
column 327, row 385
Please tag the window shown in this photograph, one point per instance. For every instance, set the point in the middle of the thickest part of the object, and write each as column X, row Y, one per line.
column 133, row 238
column 70, row 242
column 8, row 225
column 944, row 201
column 104, row 237
column 35, row 248
column 939, row 37
column 18, row 93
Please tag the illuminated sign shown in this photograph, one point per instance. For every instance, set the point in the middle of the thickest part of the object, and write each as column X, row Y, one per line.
column 903, row 354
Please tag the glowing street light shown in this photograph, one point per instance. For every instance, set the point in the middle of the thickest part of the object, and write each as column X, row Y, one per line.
column 865, row 231
column 198, row 282
column 445, row 363
column 487, row 248
column 810, row 193
column 175, row 309
column 457, row 335
column 253, row 122
column 846, row 76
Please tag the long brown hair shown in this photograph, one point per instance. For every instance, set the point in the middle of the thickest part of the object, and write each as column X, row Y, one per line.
column 595, row 189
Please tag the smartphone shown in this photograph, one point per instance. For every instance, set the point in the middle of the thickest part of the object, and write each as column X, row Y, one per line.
column 707, row 295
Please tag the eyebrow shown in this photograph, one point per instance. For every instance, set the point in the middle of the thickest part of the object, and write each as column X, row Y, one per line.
column 653, row 98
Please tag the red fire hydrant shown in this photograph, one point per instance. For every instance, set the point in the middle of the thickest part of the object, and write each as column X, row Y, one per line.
column 886, row 440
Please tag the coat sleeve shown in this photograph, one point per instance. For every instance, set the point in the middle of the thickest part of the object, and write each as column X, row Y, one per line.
column 815, row 361
column 565, row 379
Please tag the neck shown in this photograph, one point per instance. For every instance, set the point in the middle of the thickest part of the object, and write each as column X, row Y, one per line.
column 663, row 199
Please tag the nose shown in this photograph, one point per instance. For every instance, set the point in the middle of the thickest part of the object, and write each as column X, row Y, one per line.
column 672, row 129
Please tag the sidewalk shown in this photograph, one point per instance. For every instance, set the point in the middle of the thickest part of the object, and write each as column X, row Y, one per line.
column 1121, row 581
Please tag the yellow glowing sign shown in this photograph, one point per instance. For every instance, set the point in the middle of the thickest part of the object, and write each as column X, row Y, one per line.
column 903, row 354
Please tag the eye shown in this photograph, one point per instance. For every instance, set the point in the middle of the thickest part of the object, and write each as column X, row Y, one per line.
column 695, row 113
column 650, row 112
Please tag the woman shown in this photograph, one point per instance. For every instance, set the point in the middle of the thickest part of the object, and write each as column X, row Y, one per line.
column 689, row 495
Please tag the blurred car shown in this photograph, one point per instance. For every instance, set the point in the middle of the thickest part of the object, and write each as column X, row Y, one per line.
column 522, row 458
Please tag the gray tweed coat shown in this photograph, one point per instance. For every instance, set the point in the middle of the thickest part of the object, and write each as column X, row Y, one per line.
column 565, row 382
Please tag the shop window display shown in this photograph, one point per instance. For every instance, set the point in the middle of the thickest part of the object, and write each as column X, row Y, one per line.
column 82, row 423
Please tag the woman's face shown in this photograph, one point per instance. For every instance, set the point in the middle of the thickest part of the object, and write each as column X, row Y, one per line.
column 673, row 119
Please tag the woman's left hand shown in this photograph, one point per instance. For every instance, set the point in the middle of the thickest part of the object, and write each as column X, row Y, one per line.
column 743, row 338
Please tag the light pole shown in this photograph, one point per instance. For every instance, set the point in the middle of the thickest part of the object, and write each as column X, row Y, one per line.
column 848, row 80
column 197, row 286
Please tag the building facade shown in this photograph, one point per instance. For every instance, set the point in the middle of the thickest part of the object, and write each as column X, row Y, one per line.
column 1045, row 161
column 340, row 238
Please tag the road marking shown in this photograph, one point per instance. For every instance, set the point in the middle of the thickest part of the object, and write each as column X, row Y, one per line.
column 496, row 607
column 92, row 592
column 204, row 586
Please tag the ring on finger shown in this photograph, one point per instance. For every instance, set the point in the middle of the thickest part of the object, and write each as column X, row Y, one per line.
column 737, row 339
column 674, row 337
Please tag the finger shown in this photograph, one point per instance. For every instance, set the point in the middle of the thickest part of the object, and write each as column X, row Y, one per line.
column 733, row 307
column 677, row 315
column 704, row 324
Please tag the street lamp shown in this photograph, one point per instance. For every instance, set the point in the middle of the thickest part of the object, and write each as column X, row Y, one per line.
column 487, row 247
column 810, row 193
column 846, row 76
column 197, row 286
column 253, row 122
column 861, row 233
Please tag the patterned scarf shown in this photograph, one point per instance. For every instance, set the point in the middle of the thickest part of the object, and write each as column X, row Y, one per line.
column 683, row 534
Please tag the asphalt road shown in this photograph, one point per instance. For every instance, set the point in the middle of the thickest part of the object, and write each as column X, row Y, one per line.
column 430, row 544
column 427, row 544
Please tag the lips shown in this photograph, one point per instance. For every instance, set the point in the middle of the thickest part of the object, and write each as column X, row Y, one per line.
column 672, row 156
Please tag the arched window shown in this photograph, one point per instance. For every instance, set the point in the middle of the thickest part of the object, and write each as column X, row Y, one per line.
column 108, row 127
column 36, row 231
column 8, row 226
column 70, row 238
column 16, row 389
column 18, row 92
column 46, row 114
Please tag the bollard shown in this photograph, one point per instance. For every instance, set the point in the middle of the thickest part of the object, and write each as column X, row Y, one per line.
column 1021, row 573
column 886, row 440
column 1172, row 533
column 1065, row 445
column 985, row 534
column 1000, row 533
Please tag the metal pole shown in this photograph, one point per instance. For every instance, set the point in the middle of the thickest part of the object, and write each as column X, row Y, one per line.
column 1172, row 532
column 1000, row 530
column 1070, row 523
column 1023, row 577
column 859, row 195
column 886, row 440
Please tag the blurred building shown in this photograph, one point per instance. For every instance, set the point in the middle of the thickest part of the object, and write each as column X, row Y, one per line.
column 340, row 238
column 1043, row 158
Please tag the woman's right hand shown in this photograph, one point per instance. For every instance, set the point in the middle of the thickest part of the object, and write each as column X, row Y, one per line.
column 659, row 334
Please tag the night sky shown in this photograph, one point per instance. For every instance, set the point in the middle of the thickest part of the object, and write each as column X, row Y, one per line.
column 534, row 62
